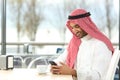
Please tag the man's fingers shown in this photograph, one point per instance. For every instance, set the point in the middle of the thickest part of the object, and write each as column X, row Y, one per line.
column 62, row 63
column 55, row 67
column 55, row 70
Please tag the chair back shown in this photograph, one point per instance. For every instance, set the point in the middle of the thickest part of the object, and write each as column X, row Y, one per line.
column 36, row 59
column 113, row 65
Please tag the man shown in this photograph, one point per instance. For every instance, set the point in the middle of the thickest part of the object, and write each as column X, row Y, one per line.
column 89, row 52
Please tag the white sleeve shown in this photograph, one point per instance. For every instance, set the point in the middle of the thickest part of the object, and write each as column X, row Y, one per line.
column 62, row 57
column 98, row 68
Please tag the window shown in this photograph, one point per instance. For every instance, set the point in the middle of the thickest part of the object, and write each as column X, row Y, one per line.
column 0, row 23
column 41, row 23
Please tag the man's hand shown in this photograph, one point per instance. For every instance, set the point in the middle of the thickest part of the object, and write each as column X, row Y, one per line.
column 63, row 69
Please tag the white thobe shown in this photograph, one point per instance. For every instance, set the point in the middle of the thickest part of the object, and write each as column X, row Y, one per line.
column 92, row 60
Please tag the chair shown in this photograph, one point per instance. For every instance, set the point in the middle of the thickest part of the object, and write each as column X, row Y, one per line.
column 113, row 65
column 27, row 60
column 60, row 50
column 36, row 59
column 17, row 62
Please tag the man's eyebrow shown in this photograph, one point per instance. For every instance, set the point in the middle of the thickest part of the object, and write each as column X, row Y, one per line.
column 76, row 25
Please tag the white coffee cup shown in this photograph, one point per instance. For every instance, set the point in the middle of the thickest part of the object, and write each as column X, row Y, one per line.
column 42, row 69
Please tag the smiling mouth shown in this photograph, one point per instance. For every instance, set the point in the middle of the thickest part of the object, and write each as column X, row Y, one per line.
column 78, row 34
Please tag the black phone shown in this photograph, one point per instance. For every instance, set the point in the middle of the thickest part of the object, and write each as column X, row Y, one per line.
column 52, row 63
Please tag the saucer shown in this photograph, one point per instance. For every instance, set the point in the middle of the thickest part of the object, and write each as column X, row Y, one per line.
column 42, row 73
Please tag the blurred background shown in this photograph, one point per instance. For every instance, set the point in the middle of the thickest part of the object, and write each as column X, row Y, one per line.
column 31, row 29
column 41, row 24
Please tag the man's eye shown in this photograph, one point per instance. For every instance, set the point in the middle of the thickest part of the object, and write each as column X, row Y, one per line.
column 77, row 26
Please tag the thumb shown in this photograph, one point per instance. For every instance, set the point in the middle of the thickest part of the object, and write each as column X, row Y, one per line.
column 62, row 63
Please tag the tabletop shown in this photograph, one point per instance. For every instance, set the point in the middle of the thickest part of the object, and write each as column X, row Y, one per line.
column 30, row 74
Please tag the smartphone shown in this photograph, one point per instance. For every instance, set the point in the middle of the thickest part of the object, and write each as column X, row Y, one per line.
column 52, row 63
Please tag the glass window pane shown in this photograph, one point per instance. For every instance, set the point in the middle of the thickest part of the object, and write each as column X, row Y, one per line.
column 44, row 22
column 39, row 26
column 0, row 22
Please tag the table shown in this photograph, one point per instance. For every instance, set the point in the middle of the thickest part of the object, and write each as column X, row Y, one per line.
column 30, row 74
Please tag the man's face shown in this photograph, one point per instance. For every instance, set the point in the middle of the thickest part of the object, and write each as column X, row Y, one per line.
column 77, row 30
